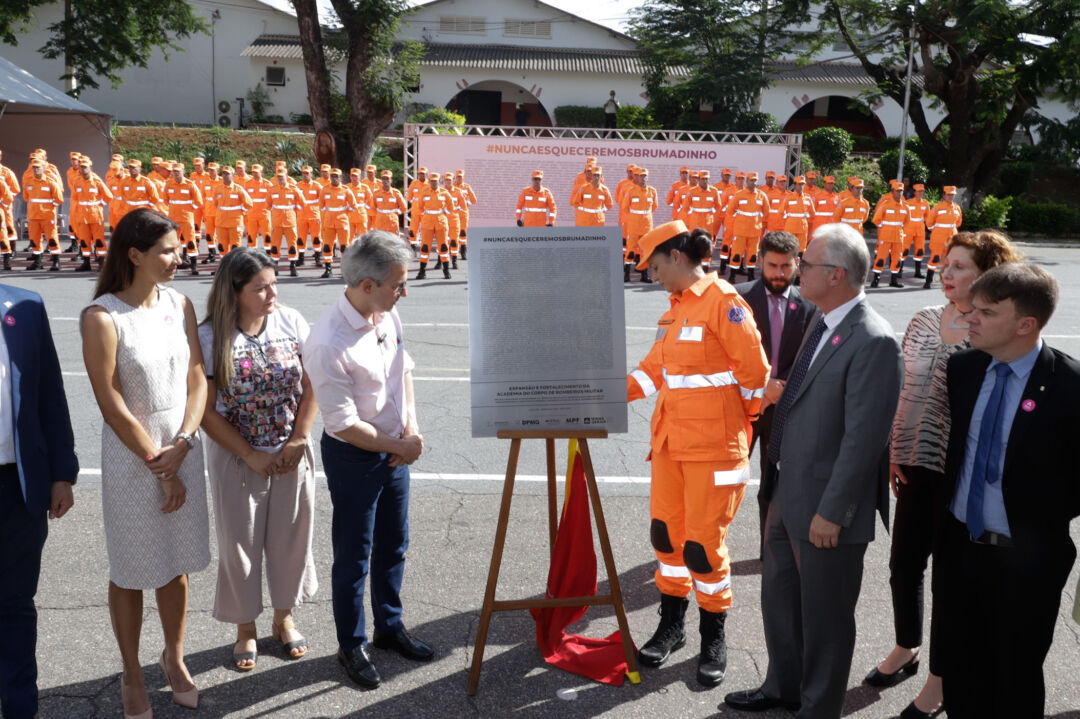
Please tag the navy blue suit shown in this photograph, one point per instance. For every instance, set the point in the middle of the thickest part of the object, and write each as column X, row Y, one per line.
column 45, row 453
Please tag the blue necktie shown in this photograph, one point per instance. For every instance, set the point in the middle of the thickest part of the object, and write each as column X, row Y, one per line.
column 795, row 380
column 987, row 453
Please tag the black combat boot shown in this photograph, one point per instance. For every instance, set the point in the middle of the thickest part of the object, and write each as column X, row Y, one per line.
column 723, row 266
column 670, row 634
column 731, row 275
column 463, row 248
column 877, row 278
column 211, row 255
column 35, row 262
column 74, row 246
column 438, row 264
column 85, row 266
column 300, row 260
column 929, row 280
column 422, row 274
column 918, row 269
column 645, row 276
column 453, row 264
column 55, row 264
column 712, row 664
column 894, row 280
column 292, row 269
column 750, row 275
column 446, row 272
column 626, row 273
column 193, row 263
column 7, row 260
column 326, row 271
column 100, row 262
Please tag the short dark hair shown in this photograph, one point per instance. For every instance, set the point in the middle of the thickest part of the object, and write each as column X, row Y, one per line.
column 1032, row 289
column 779, row 241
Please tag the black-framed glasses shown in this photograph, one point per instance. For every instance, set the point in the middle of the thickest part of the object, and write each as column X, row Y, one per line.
column 804, row 263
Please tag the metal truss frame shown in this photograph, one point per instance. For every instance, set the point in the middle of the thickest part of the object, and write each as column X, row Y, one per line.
column 792, row 141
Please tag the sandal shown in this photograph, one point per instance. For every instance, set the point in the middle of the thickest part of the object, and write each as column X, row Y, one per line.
column 252, row 657
column 290, row 647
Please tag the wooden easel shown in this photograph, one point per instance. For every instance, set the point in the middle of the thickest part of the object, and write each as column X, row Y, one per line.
column 492, row 605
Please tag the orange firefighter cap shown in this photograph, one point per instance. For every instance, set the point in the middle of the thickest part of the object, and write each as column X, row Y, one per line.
column 134, row 163
column 811, row 173
column 281, row 172
column 538, row 174
column 829, row 178
column 725, row 171
column 256, row 168
column 684, row 168
column 781, row 177
column 770, row 173
column 896, row 185
column 703, row 174
column 799, row 179
column 37, row 163
column 641, row 171
column 752, row 176
column 85, row 161
column 918, row 187
column 448, row 176
column 335, row 171
column 852, row 179
column 740, row 175
column 156, row 160
column 597, row 170
column 177, row 166
column 460, row 173
column 74, row 155
column 856, row 182
column 369, row 168
column 212, row 166
column 197, row 161
column 118, row 157
column 307, row 168
column 324, row 168
column 656, row 237
column 241, row 163
column 387, row 174
column 422, row 171
column 227, row 168
column 693, row 173
column 355, row 172
column 949, row 189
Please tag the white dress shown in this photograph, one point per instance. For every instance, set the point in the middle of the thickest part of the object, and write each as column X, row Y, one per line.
column 146, row 547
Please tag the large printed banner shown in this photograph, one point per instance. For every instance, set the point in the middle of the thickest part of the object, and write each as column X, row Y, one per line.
column 498, row 168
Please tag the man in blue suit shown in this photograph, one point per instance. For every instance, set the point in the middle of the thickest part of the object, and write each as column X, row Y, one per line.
column 37, row 468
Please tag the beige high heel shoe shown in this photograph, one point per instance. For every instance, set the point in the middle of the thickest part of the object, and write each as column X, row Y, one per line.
column 148, row 714
column 188, row 699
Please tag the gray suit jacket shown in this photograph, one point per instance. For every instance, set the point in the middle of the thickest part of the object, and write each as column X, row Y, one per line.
column 834, row 454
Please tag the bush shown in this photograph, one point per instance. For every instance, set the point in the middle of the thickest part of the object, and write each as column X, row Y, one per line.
column 829, row 147
column 1016, row 177
column 1042, row 218
column 579, row 116
column 437, row 116
column 992, row 212
column 301, row 118
column 874, row 184
column 913, row 166
column 728, row 122
column 635, row 117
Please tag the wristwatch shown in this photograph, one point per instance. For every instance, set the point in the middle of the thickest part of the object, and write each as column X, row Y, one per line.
column 187, row 438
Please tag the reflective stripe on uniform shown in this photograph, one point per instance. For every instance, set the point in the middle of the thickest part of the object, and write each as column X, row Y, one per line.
column 712, row 587
column 644, row 382
column 892, row 224
column 731, row 476
column 749, row 394
column 230, row 208
column 639, row 212
column 696, row 381
column 671, row 570
column 535, row 209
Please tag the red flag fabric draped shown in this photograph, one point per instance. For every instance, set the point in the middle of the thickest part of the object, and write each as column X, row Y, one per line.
column 573, row 574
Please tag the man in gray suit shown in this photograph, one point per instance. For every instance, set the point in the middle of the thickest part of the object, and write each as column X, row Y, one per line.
column 828, row 450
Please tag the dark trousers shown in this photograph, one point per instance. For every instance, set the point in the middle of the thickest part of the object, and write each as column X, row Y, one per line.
column 913, row 539
column 609, row 119
column 808, row 598
column 370, row 527
column 22, row 536
column 1001, row 604
column 762, row 430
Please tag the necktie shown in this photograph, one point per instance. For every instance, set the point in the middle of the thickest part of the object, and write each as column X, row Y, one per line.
column 795, row 380
column 776, row 328
column 987, row 453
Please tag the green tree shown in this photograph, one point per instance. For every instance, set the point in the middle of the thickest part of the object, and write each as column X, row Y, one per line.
column 378, row 72
column 713, row 51
column 97, row 39
column 985, row 63
column 828, row 147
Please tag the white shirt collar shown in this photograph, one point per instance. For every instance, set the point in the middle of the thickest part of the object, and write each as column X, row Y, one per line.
column 834, row 317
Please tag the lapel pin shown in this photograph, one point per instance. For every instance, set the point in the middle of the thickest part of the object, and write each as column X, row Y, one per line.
column 792, row 306
column 9, row 321
column 1028, row 405
column 835, row 340
column 1042, row 388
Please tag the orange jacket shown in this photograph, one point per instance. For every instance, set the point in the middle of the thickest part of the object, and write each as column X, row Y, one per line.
column 775, row 219
column 183, row 198
column 590, row 203
column 231, row 201
column 88, row 198
column 640, row 203
column 6, row 201
column 709, row 370
column 206, row 184
column 916, row 221
column 797, row 210
column 852, row 212
column 285, row 201
column 944, row 219
column 536, row 208
column 117, row 207
column 435, row 205
column 141, row 192
column 750, row 208
column 50, row 173
column 702, row 207
column 43, row 197
column 469, row 195
column 364, row 201
column 674, row 195
column 335, row 202
column 311, row 192
column 824, row 208
column 259, row 191
column 890, row 217
column 389, row 203
column 7, row 176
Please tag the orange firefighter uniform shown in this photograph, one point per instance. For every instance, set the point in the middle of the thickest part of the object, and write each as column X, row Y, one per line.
column 115, row 179
column 708, row 370
column 890, row 217
column 140, row 191
column 285, row 202
column 535, row 208
column 703, row 205
column 43, row 198
column 620, row 189
column 641, row 202
column 583, row 176
column 674, row 193
column 750, row 209
column 412, row 195
column 852, row 211
column 943, row 221
column 453, row 220
column 201, row 179
column 358, row 218
column 7, row 232
column 915, row 228
column 88, row 198
column 729, row 217
column 463, row 212
column 9, row 180
column 825, row 202
column 798, row 206
column 231, row 202
column 436, row 204
column 777, row 195
column 183, row 199
column 206, row 183
column 308, row 223
column 591, row 202
column 681, row 209
column 389, row 206
column 335, row 203
column 257, row 219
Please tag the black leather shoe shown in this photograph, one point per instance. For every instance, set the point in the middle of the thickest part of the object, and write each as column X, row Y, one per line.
column 404, row 645
column 914, row 712
column 752, row 700
column 359, row 667
column 878, row 678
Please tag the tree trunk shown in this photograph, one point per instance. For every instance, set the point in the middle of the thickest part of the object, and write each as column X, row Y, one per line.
column 369, row 116
column 315, row 72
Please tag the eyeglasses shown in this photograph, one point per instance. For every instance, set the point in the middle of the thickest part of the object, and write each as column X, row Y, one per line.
column 808, row 265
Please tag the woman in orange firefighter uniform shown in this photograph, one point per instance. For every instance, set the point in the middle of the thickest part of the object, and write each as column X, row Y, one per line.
column 709, row 370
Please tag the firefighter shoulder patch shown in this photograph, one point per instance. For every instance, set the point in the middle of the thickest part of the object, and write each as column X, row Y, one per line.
column 736, row 315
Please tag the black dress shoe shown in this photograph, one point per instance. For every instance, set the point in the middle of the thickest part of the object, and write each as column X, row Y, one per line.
column 878, row 678
column 404, row 645
column 359, row 667
column 752, row 700
column 914, row 712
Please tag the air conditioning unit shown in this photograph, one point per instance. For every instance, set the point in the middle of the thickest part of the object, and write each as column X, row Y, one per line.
column 224, row 106
column 224, row 121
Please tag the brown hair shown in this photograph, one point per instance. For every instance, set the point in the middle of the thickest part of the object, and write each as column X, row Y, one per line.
column 780, row 242
column 141, row 229
column 696, row 245
column 989, row 248
column 236, row 270
column 1033, row 290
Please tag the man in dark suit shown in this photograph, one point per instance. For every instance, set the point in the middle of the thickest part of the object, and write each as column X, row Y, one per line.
column 828, row 451
column 1005, row 550
column 783, row 318
column 37, row 468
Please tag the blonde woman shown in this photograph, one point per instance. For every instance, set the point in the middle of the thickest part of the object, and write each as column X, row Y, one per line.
column 259, row 413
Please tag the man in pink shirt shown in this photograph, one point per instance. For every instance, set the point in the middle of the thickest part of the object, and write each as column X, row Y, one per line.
column 362, row 377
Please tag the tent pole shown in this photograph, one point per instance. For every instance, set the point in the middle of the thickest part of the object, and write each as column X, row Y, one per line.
column 2, row 109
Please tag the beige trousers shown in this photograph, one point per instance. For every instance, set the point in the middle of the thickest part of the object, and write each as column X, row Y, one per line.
column 257, row 517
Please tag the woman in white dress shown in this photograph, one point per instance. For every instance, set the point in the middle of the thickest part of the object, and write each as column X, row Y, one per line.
column 141, row 349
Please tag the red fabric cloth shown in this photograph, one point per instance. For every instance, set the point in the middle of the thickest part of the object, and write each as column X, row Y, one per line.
column 573, row 574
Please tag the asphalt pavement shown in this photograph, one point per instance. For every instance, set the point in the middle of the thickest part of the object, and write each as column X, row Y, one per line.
column 456, row 490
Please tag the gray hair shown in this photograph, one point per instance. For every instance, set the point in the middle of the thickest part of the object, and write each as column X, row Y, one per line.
column 846, row 248
column 373, row 255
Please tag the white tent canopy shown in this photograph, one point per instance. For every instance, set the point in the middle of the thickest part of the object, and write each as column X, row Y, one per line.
column 34, row 114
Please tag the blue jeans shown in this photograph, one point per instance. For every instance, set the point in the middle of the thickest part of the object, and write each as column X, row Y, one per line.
column 370, row 526
column 22, row 536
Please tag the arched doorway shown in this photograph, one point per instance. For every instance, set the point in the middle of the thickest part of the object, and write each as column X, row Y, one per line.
column 496, row 102
column 836, row 111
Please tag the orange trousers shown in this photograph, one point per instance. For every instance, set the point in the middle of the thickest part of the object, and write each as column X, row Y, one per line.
column 189, row 237
column 227, row 238
column 691, row 505
column 210, row 227
column 434, row 233
column 43, row 229
column 745, row 246
column 726, row 241
column 465, row 228
column 335, row 228
column 453, row 233
column 257, row 224
column 277, row 249
column 882, row 252
column 386, row 221
column 916, row 239
column 636, row 227
column 937, row 252
column 91, row 237
column 304, row 228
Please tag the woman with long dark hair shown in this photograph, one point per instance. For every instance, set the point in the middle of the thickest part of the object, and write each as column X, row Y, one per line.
column 259, row 413
column 141, row 349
